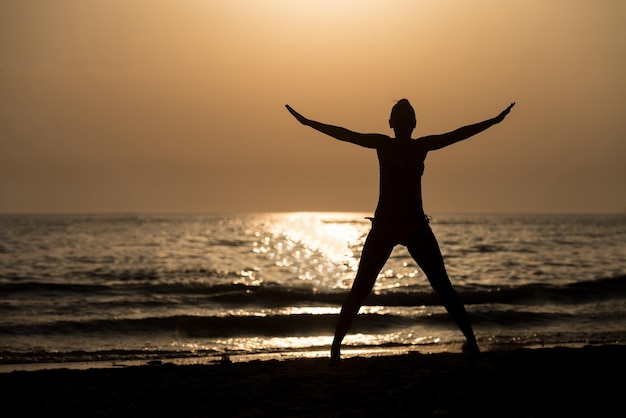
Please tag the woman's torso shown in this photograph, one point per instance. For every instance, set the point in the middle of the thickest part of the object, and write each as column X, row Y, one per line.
column 401, row 164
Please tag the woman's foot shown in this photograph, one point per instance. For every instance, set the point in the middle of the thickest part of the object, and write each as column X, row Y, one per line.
column 335, row 357
column 471, row 348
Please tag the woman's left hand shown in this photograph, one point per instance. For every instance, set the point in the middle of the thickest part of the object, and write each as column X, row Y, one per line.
column 505, row 112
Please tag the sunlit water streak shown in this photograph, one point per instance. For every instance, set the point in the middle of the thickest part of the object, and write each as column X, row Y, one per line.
column 124, row 287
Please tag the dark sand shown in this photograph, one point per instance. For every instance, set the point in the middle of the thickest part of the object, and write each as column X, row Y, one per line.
column 547, row 382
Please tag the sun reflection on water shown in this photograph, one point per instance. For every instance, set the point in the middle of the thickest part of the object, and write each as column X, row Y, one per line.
column 318, row 248
column 327, row 233
column 258, row 344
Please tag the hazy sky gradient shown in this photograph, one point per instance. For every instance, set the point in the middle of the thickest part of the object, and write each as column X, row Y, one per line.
column 163, row 106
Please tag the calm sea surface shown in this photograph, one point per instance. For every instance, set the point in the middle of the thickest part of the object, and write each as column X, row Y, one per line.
column 120, row 288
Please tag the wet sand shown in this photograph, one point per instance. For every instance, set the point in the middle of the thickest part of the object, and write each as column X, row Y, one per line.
column 543, row 382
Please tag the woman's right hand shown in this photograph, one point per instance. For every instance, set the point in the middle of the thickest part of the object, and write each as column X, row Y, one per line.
column 298, row 116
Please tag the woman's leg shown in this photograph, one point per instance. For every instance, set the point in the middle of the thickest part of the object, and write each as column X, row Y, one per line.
column 425, row 250
column 376, row 251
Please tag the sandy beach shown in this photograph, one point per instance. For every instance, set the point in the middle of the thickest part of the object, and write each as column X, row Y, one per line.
column 550, row 382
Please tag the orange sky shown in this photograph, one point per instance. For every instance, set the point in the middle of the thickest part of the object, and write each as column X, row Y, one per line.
column 161, row 106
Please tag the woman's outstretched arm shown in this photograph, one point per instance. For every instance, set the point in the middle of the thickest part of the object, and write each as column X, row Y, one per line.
column 342, row 134
column 434, row 142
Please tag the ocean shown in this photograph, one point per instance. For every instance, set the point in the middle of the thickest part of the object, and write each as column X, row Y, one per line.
column 117, row 289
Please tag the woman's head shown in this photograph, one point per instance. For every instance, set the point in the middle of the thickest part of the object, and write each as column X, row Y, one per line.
column 402, row 119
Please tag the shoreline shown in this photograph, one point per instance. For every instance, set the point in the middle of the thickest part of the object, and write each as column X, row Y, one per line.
column 522, row 382
column 214, row 359
column 207, row 360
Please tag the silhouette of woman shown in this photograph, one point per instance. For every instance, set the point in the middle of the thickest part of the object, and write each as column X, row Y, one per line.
column 399, row 217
